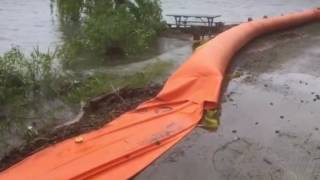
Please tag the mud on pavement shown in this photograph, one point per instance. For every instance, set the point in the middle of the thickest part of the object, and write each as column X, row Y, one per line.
column 270, row 117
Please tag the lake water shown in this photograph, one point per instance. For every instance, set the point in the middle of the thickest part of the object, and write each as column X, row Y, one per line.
column 27, row 23
column 30, row 23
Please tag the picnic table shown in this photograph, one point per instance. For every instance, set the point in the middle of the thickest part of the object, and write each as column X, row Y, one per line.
column 187, row 20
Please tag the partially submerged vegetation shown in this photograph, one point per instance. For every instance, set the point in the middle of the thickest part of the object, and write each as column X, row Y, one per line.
column 26, row 79
column 119, row 27
column 35, row 87
column 115, row 27
column 28, row 82
column 100, row 83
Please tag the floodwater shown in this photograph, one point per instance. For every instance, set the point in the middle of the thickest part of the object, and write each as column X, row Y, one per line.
column 27, row 24
column 31, row 23
column 270, row 117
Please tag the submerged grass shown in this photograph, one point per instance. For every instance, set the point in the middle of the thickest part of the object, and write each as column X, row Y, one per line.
column 36, row 95
column 25, row 78
column 101, row 83
column 26, row 82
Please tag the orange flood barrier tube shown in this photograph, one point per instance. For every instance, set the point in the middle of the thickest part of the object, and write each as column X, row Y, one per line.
column 128, row 144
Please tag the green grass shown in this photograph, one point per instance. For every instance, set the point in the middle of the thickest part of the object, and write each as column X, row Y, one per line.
column 29, row 84
column 26, row 81
column 101, row 83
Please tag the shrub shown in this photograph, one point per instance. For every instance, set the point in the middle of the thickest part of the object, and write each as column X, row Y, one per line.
column 23, row 79
column 112, row 27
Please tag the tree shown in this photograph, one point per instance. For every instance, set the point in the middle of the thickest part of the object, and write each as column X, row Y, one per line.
column 128, row 26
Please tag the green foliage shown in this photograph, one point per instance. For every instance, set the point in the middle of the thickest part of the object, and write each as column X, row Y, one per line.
column 70, row 10
column 111, row 27
column 26, row 79
column 102, row 83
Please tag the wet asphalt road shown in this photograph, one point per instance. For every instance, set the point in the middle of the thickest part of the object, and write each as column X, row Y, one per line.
column 270, row 118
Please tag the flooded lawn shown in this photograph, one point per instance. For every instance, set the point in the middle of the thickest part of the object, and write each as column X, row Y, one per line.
column 269, row 117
